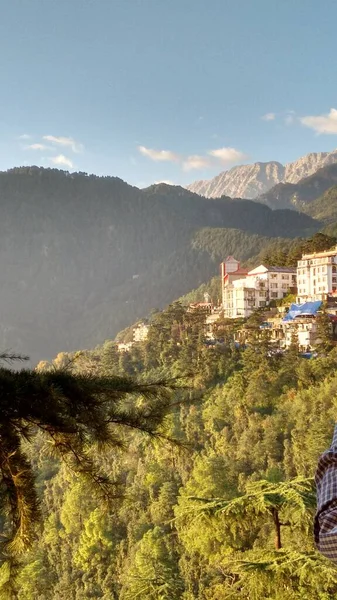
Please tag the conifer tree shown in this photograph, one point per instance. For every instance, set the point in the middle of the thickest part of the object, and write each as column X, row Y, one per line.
column 79, row 414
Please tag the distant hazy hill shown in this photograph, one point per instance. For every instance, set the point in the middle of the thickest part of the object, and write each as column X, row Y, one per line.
column 297, row 196
column 82, row 257
column 250, row 181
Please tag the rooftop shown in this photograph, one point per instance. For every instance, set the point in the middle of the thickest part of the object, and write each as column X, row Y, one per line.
column 271, row 269
column 331, row 252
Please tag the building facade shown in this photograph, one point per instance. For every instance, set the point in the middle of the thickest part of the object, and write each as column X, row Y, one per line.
column 243, row 292
column 317, row 276
column 140, row 332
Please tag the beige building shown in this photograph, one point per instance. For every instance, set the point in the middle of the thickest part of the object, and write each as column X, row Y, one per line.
column 243, row 292
column 317, row 276
column 140, row 332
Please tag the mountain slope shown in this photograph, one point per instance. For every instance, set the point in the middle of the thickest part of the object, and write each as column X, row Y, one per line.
column 297, row 196
column 324, row 208
column 250, row 181
column 81, row 257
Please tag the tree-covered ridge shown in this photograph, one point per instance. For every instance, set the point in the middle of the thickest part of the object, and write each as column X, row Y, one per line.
column 297, row 196
column 82, row 257
column 324, row 208
column 227, row 514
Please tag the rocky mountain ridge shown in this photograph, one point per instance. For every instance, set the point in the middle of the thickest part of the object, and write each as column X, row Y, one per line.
column 250, row 181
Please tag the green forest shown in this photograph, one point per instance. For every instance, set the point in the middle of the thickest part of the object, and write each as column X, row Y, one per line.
column 214, row 500
column 82, row 257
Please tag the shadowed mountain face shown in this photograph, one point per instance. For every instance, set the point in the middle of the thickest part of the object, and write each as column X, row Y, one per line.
column 298, row 196
column 81, row 257
column 250, row 181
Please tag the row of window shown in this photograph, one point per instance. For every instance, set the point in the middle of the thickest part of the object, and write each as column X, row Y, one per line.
column 316, row 261
column 315, row 270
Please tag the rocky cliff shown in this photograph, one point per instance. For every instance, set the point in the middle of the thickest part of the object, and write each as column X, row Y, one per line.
column 250, row 181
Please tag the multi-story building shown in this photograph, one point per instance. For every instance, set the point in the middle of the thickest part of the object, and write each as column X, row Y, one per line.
column 317, row 276
column 140, row 332
column 243, row 292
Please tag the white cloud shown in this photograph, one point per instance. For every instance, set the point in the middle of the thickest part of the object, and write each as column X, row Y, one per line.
column 322, row 123
column 62, row 160
column 227, row 155
column 269, row 117
column 195, row 162
column 64, row 141
column 24, row 136
column 159, row 155
column 167, row 181
column 37, row 147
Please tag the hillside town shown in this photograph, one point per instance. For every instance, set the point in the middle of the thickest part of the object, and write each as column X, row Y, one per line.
column 289, row 299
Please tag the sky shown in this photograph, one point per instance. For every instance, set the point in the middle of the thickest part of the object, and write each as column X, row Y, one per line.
column 165, row 90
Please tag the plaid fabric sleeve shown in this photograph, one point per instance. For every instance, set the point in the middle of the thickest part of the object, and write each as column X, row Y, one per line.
column 326, row 517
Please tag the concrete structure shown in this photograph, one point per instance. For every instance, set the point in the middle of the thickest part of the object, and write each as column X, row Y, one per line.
column 317, row 276
column 140, row 332
column 243, row 292
column 305, row 330
column 124, row 347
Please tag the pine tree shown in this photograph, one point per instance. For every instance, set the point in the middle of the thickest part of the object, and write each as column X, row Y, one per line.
column 79, row 414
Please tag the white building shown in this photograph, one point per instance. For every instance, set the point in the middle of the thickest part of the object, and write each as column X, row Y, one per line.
column 140, row 332
column 316, row 276
column 243, row 292
column 124, row 347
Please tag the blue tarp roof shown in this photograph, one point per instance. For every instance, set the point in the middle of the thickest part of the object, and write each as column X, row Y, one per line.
column 301, row 310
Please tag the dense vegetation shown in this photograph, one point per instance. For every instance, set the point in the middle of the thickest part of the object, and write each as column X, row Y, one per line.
column 228, row 513
column 82, row 256
column 324, row 208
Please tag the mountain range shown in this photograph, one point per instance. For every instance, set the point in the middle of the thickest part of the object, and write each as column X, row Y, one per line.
column 250, row 181
column 82, row 257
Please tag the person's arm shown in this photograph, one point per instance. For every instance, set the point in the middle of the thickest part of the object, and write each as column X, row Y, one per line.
column 326, row 516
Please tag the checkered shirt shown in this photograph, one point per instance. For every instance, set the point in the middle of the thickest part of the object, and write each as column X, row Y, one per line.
column 326, row 517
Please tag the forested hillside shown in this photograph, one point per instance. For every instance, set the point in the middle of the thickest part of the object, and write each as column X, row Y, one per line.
column 82, row 256
column 298, row 195
column 224, row 512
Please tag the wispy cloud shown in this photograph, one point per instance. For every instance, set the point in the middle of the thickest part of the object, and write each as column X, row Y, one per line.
column 61, row 160
column 326, row 123
column 25, row 136
column 269, row 117
column 159, row 155
column 196, row 162
column 228, row 155
column 37, row 147
column 225, row 156
column 167, row 181
column 64, row 141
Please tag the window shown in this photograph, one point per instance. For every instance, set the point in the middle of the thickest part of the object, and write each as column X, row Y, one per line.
column 273, row 285
column 262, row 303
column 274, row 294
column 314, row 271
column 285, row 276
column 284, row 286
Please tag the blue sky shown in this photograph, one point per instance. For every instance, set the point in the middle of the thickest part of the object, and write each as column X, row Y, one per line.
column 174, row 90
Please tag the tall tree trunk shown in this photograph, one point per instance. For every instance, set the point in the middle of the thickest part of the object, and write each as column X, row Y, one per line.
column 277, row 524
